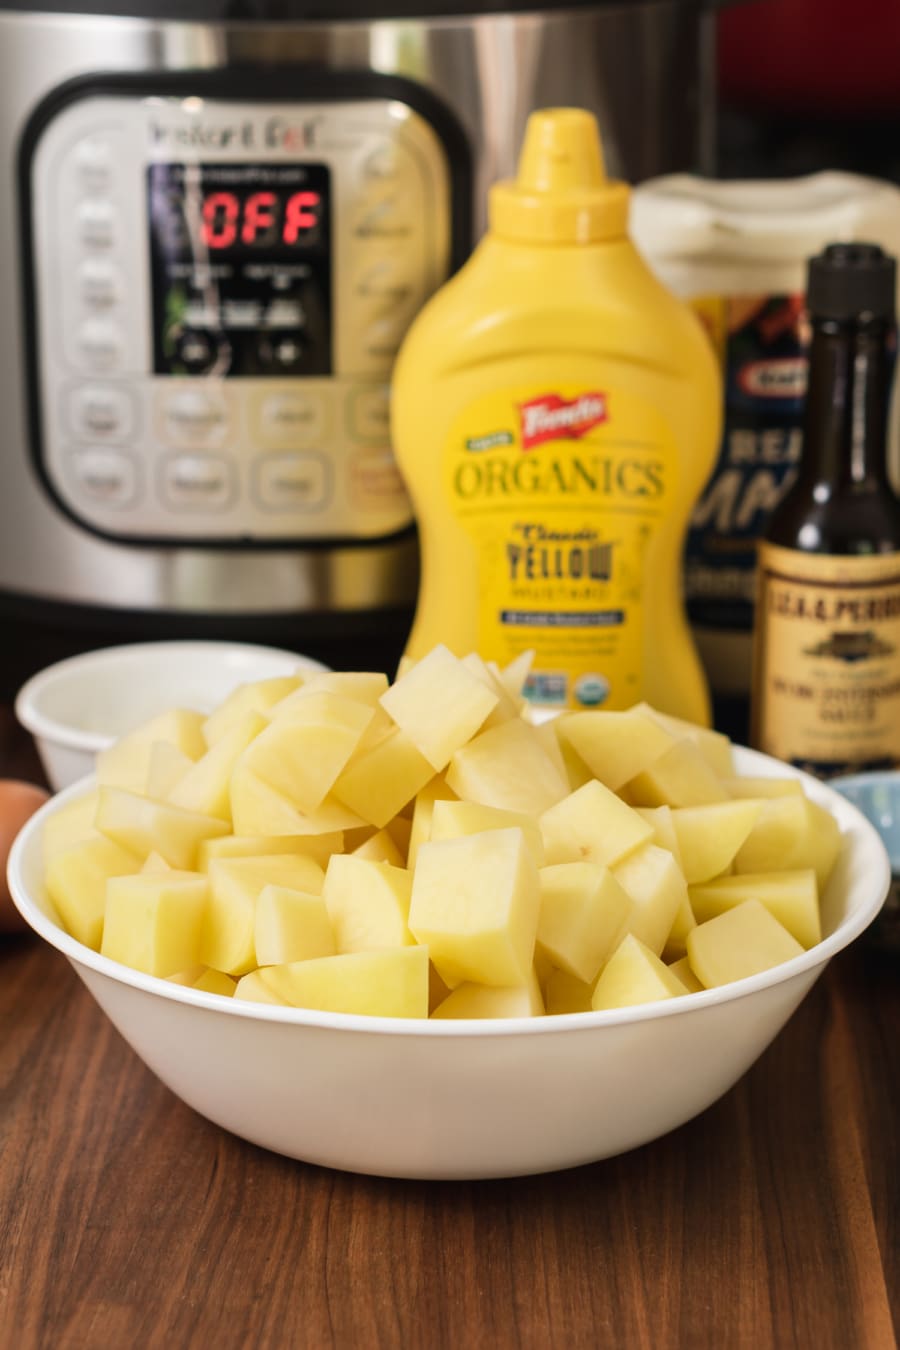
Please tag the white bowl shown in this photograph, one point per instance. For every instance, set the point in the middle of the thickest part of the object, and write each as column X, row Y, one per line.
column 80, row 706
column 445, row 1099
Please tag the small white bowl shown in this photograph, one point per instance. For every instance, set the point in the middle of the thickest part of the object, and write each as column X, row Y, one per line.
column 78, row 707
column 406, row 1098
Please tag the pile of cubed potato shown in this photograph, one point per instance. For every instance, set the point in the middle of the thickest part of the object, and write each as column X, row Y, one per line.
column 331, row 842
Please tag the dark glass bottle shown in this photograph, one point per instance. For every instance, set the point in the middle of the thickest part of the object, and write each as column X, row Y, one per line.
column 826, row 687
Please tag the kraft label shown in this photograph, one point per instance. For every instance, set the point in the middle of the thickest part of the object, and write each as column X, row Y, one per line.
column 562, row 491
column 827, row 661
column 761, row 342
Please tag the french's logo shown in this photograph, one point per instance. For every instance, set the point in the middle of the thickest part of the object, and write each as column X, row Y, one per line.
column 553, row 418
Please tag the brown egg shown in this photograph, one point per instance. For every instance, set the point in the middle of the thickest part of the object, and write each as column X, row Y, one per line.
column 18, row 803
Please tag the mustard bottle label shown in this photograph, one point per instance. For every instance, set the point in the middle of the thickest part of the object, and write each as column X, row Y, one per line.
column 562, row 490
column 827, row 660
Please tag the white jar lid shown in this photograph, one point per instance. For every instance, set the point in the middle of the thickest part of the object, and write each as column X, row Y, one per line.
column 784, row 220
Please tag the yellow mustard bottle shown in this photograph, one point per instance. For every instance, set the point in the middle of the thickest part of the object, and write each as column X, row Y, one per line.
column 556, row 414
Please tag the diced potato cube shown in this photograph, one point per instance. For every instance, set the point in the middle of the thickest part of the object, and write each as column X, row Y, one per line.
column 714, row 746
column 378, row 730
column 187, row 976
column 319, row 847
column 76, row 880
column 453, row 819
column 392, row 983
column 216, row 982
column 153, row 921
column 354, row 839
column 257, row 808
column 439, row 704
column 616, row 746
column 155, row 862
column 742, row 941
column 676, row 942
column 547, row 735
column 791, row 833
column 437, row 989
column 144, row 826
column 632, row 975
column 400, row 831
column 710, row 836
column 423, row 810
column 166, row 766
column 657, row 890
column 682, row 968
column 379, row 781
column 367, row 903
column 475, row 904
column 515, row 673
column 508, row 767
column 261, row 696
column 206, row 785
column 253, row 989
column 507, row 705
column 482, row 1000
column 302, row 753
column 229, row 931
column 660, row 817
column 680, row 777
column 574, row 768
column 380, row 847
column 563, row 993
column 291, row 925
column 68, row 825
column 592, row 825
column 363, row 686
column 792, row 897
column 583, row 908
column 125, row 764
column 202, row 977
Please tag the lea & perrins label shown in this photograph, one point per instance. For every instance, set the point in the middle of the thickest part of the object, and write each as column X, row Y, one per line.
column 827, row 660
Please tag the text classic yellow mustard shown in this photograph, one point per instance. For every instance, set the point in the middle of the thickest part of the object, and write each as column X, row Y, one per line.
column 556, row 414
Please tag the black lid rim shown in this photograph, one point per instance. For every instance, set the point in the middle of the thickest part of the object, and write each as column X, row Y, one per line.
column 854, row 281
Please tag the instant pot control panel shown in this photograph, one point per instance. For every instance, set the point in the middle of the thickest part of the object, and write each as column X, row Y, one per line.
column 219, row 289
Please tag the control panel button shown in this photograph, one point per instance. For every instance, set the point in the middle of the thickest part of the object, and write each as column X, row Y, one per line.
column 292, row 481
column 192, row 417
column 281, row 353
column 100, row 344
column 97, row 411
column 375, row 482
column 105, row 476
column 388, row 219
column 297, row 419
column 386, row 279
column 383, row 164
column 96, row 224
column 93, row 160
column 382, row 338
column 99, row 282
column 199, row 352
column 197, row 482
column 370, row 413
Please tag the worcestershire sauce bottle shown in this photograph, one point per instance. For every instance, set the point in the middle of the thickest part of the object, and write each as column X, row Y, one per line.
column 826, row 679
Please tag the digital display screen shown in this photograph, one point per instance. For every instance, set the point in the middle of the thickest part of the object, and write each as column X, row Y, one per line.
column 241, row 268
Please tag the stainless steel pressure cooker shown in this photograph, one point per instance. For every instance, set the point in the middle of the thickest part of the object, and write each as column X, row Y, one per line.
column 220, row 218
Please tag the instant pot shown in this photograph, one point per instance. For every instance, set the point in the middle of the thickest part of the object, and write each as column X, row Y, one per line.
column 219, row 220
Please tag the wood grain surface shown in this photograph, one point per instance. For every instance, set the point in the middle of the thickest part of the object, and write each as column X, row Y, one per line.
column 127, row 1221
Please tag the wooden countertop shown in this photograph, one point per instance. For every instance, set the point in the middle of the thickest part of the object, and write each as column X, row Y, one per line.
column 127, row 1221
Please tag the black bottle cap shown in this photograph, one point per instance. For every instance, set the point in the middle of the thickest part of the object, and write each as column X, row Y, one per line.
column 852, row 281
